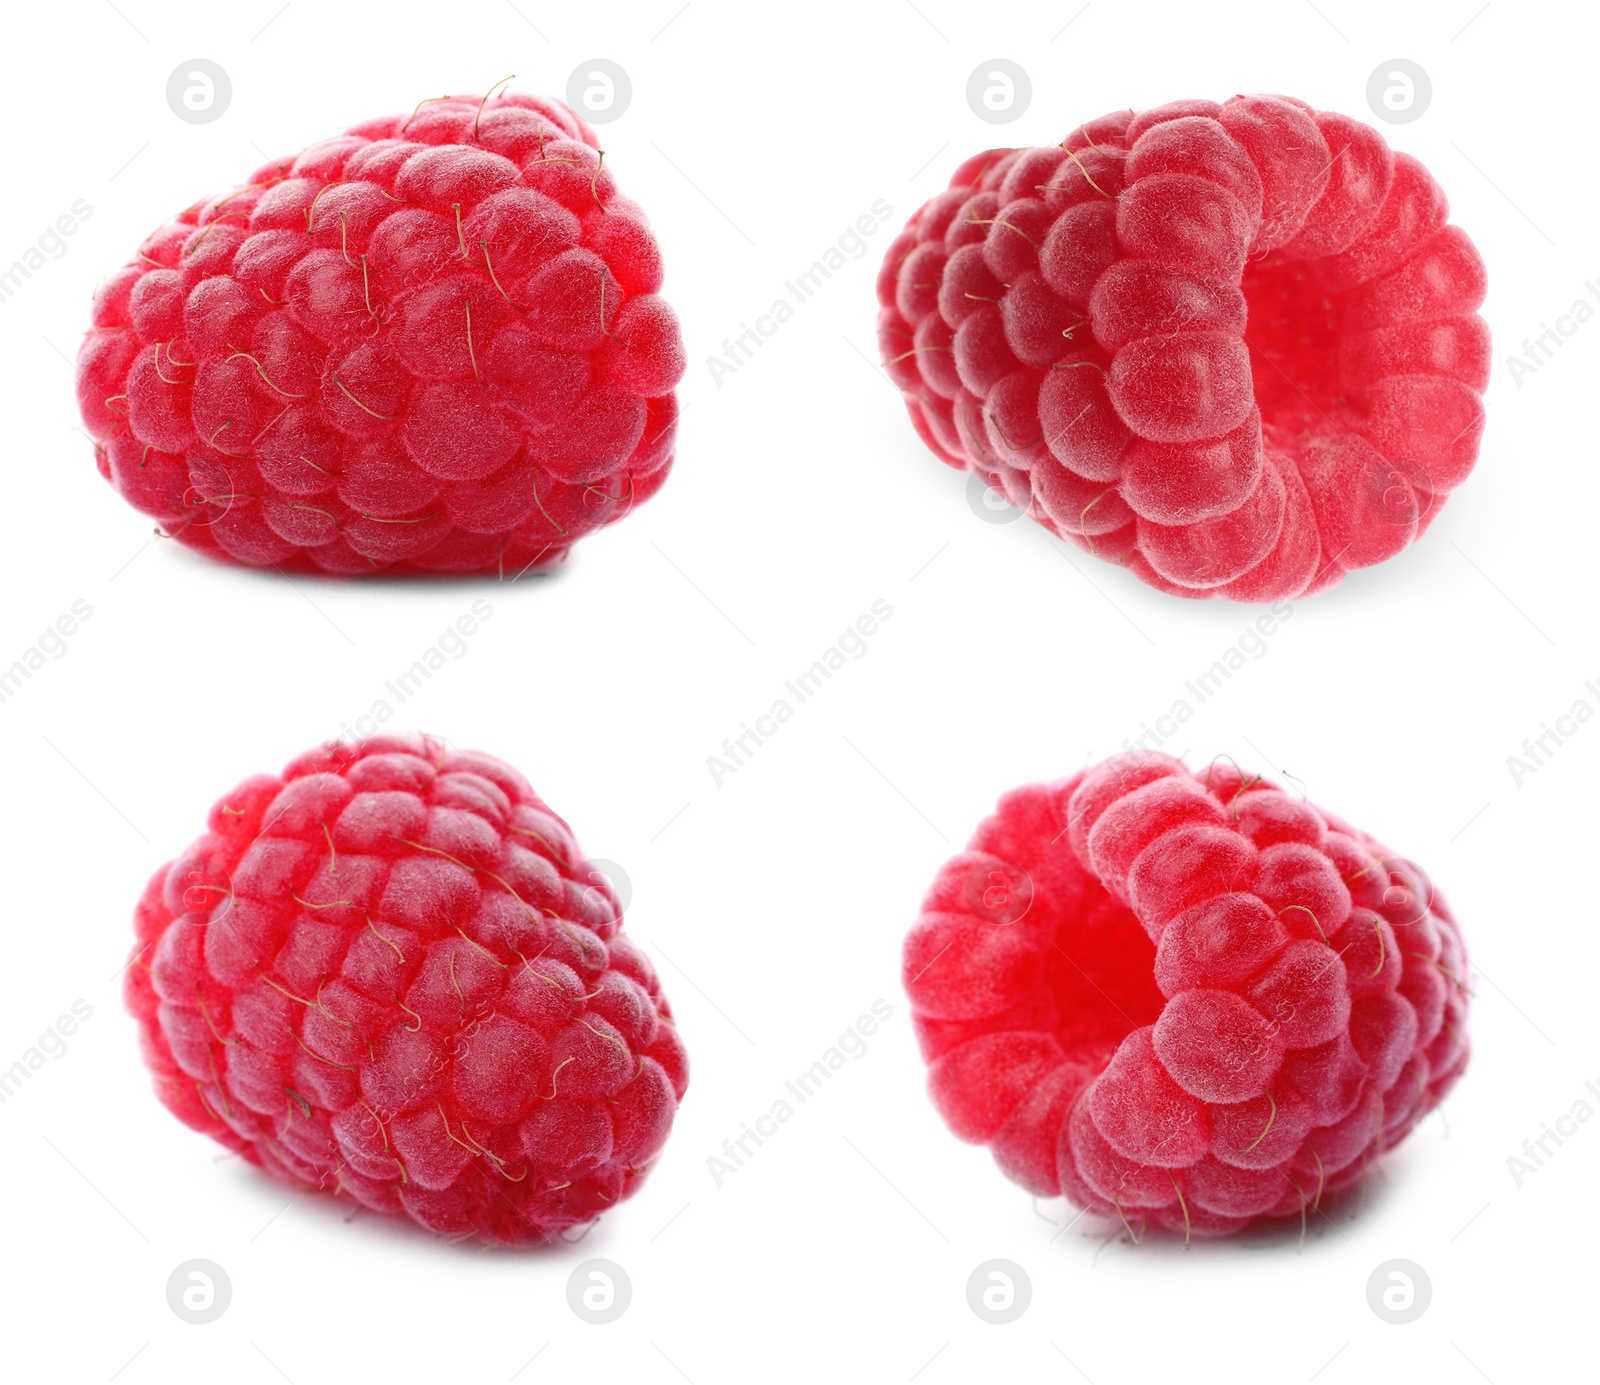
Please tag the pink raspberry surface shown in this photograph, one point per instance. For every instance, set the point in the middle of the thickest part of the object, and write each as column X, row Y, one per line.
column 1184, row 1000
column 1233, row 347
column 390, row 974
column 433, row 343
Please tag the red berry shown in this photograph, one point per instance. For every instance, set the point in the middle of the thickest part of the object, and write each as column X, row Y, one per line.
column 1234, row 347
column 433, row 343
column 1194, row 1000
column 391, row 974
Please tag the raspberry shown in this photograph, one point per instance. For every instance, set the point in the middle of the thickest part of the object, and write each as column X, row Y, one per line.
column 432, row 343
column 1232, row 347
column 1194, row 1000
column 390, row 974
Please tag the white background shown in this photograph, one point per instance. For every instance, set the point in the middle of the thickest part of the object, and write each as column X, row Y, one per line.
column 775, row 904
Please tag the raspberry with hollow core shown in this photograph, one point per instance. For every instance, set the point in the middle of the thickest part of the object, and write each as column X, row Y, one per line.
column 1191, row 1000
column 1234, row 347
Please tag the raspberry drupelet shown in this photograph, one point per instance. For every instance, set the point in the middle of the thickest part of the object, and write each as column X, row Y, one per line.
column 390, row 974
column 434, row 343
column 1187, row 1000
column 1232, row 347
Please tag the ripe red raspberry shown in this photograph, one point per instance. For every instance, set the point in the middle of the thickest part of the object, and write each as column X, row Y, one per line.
column 1233, row 347
column 433, row 343
column 391, row 974
column 1194, row 1000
